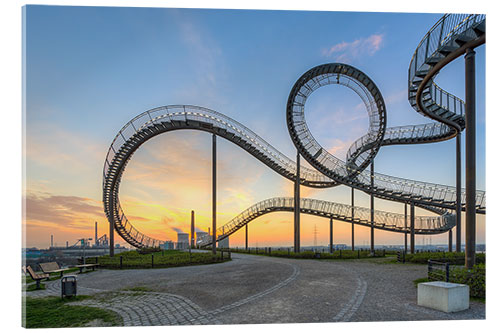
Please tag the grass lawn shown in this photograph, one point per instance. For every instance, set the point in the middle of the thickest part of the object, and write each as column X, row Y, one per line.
column 160, row 259
column 50, row 312
column 32, row 287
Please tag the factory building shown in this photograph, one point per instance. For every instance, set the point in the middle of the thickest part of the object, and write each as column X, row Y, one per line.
column 182, row 240
column 168, row 245
column 200, row 235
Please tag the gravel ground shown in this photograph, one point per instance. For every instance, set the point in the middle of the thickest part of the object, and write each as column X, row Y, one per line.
column 258, row 289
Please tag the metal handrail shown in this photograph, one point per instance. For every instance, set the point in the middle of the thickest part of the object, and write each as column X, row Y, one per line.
column 342, row 212
column 440, row 35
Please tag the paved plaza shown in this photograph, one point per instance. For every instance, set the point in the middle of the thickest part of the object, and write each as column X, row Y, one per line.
column 257, row 289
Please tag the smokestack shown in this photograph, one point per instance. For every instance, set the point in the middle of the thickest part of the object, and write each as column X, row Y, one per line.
column 192, row 228
column 67, row 244
column 96, row 234
column 51, row 240
column 209, row 231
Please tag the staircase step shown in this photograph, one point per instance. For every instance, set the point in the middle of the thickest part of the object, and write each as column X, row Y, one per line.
column 433, row 60
column 446, row 49
column 463, row 38
column 480, row 28
column 421, row 73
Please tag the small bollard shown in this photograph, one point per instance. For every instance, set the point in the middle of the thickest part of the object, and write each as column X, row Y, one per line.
column 152, row 260
column 358, row 254
column 121, row 262
column 340, row 254
column 404, row 256
column 288, row 251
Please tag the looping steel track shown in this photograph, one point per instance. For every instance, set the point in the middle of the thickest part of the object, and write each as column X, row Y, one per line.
column 328, row 171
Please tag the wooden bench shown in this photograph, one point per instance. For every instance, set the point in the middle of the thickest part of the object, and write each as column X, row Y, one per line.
column 37, row 277
column 81, row 267
column 52, row 267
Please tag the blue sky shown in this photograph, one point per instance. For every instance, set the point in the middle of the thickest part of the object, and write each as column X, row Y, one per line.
column 91, row 69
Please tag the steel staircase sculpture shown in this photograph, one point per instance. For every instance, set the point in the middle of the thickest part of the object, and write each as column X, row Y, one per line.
column 424, row 225
column 328, row 170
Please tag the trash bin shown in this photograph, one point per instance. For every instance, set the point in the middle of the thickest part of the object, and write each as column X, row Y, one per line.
column 68, row 285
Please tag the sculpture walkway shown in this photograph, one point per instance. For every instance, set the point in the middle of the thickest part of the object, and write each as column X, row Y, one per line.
column 447, row 40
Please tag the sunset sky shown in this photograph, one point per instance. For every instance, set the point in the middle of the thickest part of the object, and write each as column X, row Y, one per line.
column 89, row 70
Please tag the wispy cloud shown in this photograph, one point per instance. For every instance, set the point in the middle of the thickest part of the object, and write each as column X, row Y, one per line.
column 206, row 56
column 349, row 51
column 396, row 97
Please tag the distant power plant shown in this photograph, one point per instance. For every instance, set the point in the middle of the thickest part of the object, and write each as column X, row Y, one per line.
column 168, row 245
column 200, row 235
column 102, row 242
column 182, row 240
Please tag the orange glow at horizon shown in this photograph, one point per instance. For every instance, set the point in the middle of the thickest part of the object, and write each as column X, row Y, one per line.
column 171, row 175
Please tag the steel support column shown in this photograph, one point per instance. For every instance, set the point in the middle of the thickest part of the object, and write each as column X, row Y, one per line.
column 331, row 235
column 246, row 237
column 296, row 225
column 470, row 158
column 412, row 227
column 214, row 193
column 192, row 230
column 372, row 210
column 352, row 216
column 459, row 195
column 406, row 227
column 111, row 239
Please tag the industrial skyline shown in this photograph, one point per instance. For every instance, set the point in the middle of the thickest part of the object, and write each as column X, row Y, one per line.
column 245, row 73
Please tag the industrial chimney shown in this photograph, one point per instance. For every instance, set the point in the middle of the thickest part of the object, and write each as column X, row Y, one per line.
column 96, row 234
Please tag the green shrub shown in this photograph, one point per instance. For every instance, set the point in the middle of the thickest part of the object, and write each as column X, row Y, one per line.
column 339, row 254
column 475, row 278
column 452, row 258
column 148, row 250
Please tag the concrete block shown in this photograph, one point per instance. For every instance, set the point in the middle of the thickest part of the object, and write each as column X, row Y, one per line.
column 443, row 296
